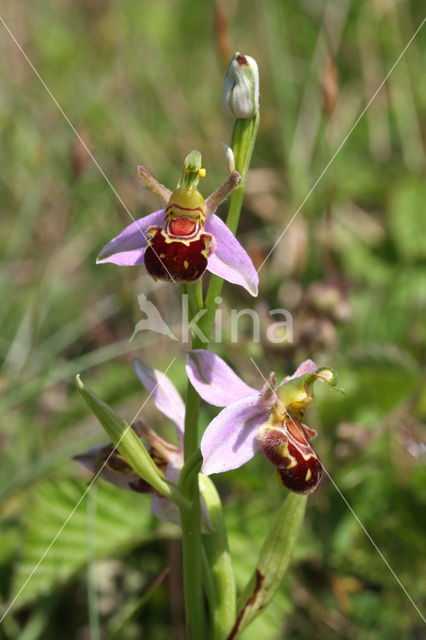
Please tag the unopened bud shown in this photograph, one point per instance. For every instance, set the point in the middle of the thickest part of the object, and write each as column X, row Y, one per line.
column 240, row 96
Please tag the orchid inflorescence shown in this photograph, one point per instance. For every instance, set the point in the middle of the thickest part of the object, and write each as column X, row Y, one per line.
column 178, row 244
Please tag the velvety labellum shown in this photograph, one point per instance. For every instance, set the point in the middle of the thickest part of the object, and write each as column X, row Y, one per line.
column 288, row 448
column 179, row 251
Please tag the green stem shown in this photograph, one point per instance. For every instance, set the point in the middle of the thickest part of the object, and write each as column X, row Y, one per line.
column 191, row 517
column 192, row 466
column 243, row 139
column 192, row 566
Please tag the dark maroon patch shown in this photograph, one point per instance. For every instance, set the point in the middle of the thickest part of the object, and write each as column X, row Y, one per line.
column 305, row 476
column 259, row 578
column 299, row 467
column 178, row 260
column 141, row 486
column 242, row 60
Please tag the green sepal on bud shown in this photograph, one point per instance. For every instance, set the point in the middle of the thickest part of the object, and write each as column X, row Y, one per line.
column 129, row 445
column 240, row 97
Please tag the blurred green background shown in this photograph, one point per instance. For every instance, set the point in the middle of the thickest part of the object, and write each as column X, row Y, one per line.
column 141, row 82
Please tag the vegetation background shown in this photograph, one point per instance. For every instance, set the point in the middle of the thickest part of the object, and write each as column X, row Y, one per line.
column 141, row 82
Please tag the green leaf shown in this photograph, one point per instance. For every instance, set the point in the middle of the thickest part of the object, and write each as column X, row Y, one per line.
column 123, row 519
column 273, row 562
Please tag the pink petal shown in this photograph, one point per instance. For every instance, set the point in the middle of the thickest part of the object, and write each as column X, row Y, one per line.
column 214, row 380
column 164, row 394
column 161, row 506
column 165, row 510
column 308, row 366
column 128, row 248
column 229, row 260
column 230, row 440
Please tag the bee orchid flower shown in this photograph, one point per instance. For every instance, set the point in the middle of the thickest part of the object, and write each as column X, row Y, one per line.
column 179, row 242
column 269, row 419
column 111, row 466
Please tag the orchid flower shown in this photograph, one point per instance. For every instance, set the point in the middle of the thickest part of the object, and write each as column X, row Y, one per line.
column 168, row 457
column 267, row 419
column 178, row 243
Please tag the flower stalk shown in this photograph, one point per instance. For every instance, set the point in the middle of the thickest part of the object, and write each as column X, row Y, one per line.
column 243, row 141
column 192, row 551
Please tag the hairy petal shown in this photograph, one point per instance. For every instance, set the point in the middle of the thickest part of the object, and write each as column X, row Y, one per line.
column 231, row 440
column 164, row 394
column 214, row 380
column 229, row 260
column 128, row 248
column 222, row 192
column 159, row 190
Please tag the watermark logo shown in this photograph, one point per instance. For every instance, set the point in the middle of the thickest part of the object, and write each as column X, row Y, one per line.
column 275, row 327
column 153, row 321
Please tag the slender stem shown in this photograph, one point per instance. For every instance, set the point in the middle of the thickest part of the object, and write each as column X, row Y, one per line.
column 191, row 517
column 192, row 566
column 192, row 466
column 243, row 139
column 197, row 291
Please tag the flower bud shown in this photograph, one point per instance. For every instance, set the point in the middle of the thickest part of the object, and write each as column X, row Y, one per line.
column 240, row 96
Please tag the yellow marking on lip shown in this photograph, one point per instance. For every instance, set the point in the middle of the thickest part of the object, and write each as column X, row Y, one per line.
column 308, row 475
column 285, row 453
column 169, row 239
column 162, row 255
column 186, row 264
